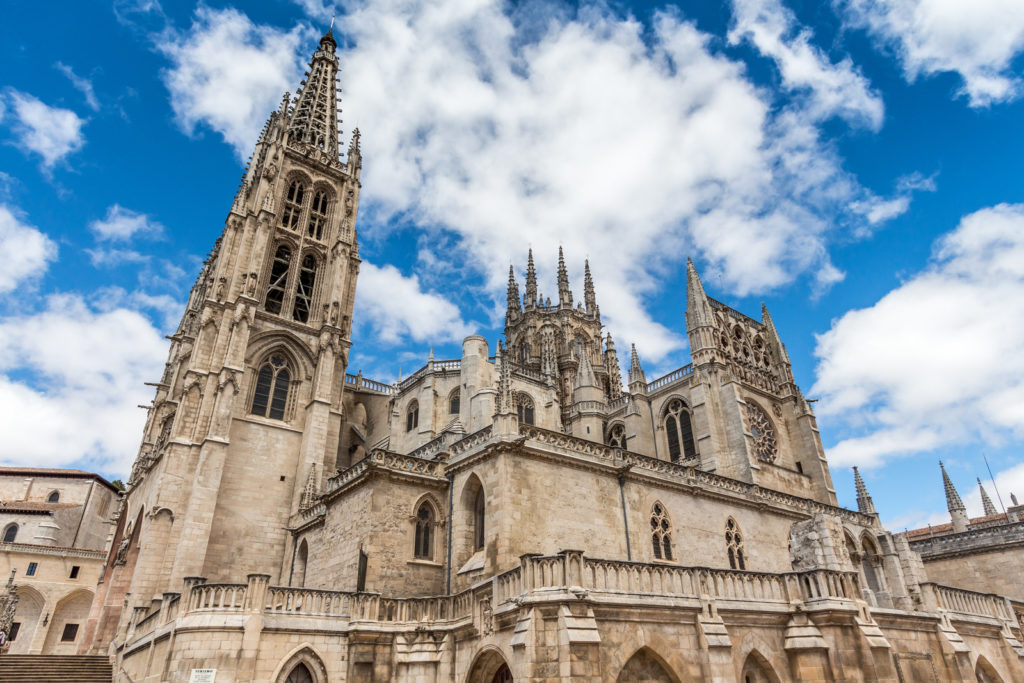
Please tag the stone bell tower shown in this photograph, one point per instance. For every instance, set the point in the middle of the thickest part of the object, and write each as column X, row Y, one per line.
column 246, row 417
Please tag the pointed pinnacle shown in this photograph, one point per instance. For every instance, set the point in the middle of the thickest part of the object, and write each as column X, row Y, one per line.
column 986, row 502
column 864, row 502
column 953, row 501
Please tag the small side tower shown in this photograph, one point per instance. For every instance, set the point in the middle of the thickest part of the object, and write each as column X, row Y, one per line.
column 957, row 510
column 637, row 378
column 986, row 502
column 864, row 502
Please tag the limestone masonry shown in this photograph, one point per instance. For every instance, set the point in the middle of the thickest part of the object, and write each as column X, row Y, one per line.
column 516, row 514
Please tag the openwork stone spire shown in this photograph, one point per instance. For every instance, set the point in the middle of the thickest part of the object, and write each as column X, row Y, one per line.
column 564, row 295
column 957, row 510
column 637, row 379
column 611, row 363
column 315, row 121
column 986, row 502
column 504, row 404
column 864, row 502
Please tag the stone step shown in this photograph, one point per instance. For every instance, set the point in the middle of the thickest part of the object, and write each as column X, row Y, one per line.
column 55, row 669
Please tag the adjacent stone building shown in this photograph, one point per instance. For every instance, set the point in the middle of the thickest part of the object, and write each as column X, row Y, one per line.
column 56, row 528
column 516, row 513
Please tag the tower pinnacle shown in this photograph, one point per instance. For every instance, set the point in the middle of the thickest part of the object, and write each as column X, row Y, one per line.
column 564, row 295
column 986, row 502
column 531, row 282
column 589, row 298
column 637, row 379
column 513, row 295
column 957, row 510
column 864, row 502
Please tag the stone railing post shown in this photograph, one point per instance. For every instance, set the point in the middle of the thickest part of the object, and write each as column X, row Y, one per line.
column 165, row 606
column 572, row 567
column 191, row 582
column 526, row 565
column 929, row 597
column 256, row 593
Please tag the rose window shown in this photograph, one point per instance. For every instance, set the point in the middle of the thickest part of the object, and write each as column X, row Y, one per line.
column 765, row 446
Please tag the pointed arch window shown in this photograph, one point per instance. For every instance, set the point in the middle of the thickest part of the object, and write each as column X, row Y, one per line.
column 679, row 431
column 617, row 436
column 304, row 289
column 454, row 402
column 278, row 279
column 292, row 205
column 412, row 416
column 317, row 216
column 300, row 674
column 424, row 532
column 524, row 408
column 10, row 533
column 661, row 533
column 479, row 506
column 270, row 397
column 734, row 545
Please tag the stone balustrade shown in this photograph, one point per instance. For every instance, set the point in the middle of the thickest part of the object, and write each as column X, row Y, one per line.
column 967, row 541
column 360, row 383
column 670, row 378
column 971, row 603
column 219, row 597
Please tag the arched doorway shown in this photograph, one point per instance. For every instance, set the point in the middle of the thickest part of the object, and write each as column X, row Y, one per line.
column 300, row 674
column 645, row 667
column 490, row 667
column 985, row 672
column 757, row 670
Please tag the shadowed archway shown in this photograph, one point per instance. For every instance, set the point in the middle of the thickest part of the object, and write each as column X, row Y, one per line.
column 645, row 666
column 490, row 667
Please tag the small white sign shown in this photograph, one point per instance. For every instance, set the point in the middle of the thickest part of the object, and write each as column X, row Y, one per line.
column 203, row 676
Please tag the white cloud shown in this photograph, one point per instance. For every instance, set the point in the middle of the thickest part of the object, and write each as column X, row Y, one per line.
column 81, row 403
column 51, row 132
column 229, row 73
column 395, row 306
column 121, row 224
column 978, row 40
column 82, row 85
column 937, row 360
column 833, row 89
column 34, row 250
column 636, row 148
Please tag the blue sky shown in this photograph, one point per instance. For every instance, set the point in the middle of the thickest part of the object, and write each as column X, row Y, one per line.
column 854, row 164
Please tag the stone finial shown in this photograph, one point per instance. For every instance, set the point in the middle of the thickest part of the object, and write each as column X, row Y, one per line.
column 986, row 502
column 309, row 491
column 504, row 403
column 611, row 364
column 698, row 308
column 531, row 281
column 864, row 502
column 637, row 378
column 957, row 510
column 564, row 295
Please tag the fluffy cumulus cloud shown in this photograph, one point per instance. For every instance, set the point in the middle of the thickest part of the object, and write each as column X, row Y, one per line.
column 637, row 147
column 51, row 132
column 121, row 224
column 832, row 89
column 937, row 360
column 978, row 40
column 229, row 73
column 64, row 403
column 395, row 307
column 34, row 249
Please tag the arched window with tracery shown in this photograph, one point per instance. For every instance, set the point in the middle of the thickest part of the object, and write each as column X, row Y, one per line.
column 870, row 562
column 524, row 408
column 412, row 416
column 479, row 508
column 10, row 533
column 424, row 549
column 304, row 289
column 292, row 205
column 763, row 431
column 661, row 533
column 317, row 216
column 454, row 402
column 54, row 497
column 679, row 431
column 278, row 279
column 617, row 436
column 734, row 545
column 270, row 398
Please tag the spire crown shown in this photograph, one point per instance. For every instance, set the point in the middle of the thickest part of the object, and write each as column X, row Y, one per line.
column 315, row 121
column 864, row 502
column 589, row 298
column 698, row 308
column 953, row 501
column 564, row 295
column 986, row 502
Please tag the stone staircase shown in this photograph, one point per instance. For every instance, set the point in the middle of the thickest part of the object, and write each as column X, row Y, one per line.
column 55, row 669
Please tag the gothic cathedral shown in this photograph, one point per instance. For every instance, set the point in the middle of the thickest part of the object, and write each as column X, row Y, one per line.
column 515, row 514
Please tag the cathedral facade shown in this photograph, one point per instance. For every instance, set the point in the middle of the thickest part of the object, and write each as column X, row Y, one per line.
column 515, row 514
